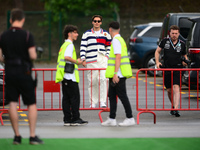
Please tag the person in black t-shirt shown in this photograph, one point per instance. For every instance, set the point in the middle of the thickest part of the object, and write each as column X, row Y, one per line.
column 174, row 49
column 17, row 50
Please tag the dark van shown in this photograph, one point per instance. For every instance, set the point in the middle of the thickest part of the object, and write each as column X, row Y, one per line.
column 193, row 47
column 179, row 19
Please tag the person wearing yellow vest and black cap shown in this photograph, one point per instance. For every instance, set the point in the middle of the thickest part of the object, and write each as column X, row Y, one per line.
column 67, row 73
column 118, row 71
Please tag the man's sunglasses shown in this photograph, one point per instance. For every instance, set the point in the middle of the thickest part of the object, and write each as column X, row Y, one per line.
column 96, row 21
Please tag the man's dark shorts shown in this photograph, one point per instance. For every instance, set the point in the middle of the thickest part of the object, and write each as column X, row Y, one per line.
column 168, row 81
column 20, row 84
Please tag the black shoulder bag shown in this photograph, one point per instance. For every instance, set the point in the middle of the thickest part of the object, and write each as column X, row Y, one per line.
column 69, row 68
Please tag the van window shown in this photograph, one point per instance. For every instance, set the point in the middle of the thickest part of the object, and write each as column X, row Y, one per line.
column 136, row 32
column 184, row 25
column 153, row 32
column 195, row 39
column 164, row 28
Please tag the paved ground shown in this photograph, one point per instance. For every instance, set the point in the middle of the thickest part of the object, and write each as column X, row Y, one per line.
column 50, row 124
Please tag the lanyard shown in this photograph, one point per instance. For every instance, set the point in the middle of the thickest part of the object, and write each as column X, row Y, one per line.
column 178, row 44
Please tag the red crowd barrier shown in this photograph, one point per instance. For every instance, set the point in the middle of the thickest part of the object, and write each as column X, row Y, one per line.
column 151, row 95
column 49, row 95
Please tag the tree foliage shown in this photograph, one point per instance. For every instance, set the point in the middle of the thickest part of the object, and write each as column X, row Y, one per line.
column 81, row 8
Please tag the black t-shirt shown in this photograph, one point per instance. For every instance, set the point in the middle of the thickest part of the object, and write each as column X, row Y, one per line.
column 172, row 53
column 15, row 43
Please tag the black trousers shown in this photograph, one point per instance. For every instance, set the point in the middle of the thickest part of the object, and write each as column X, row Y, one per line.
column 119, row 90
column 70, row 100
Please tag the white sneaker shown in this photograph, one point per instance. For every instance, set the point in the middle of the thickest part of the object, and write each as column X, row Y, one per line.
column 103, row 105
column 127, row 122
column 92, row 106
column 109, row 122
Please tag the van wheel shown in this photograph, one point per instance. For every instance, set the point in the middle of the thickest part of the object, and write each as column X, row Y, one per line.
column 150, row 64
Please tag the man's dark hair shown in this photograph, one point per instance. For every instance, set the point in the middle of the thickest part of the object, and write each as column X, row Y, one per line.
column 68, row 29
column 174, row 27
column 97, row 16
column 17, row 14
column 114, row 25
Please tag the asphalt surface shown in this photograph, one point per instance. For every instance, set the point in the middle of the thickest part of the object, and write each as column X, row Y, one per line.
column 50, row 124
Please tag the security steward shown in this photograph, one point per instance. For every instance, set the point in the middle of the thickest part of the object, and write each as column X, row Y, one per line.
column 67, row 73
column 118, row 70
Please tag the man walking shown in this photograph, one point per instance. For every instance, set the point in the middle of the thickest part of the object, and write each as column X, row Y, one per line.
column 94, row 52
column 174, row 49
column 67, row 72
column 118, row 70
column 18, row 48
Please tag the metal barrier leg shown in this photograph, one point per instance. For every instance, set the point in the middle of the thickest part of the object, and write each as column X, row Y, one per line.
column 1, row 116
column 104, row 110
column 138, row 116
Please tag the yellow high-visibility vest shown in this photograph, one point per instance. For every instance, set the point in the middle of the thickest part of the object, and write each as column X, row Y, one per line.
column 125, row 62
column 61, row 63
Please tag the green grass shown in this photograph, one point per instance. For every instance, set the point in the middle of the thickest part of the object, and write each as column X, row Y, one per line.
column 107, row 144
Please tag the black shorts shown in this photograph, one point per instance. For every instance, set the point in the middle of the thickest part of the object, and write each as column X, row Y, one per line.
column 176, row 78
column 20, row 84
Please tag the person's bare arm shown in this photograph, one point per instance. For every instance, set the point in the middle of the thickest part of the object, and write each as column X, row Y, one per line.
column 157, row 55
column 32, row 53
column 1, row 56
column 78, row 61
column 84, row 63
column 117, row 65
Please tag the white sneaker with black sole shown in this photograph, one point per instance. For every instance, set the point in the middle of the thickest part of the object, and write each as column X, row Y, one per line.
column 103, row 105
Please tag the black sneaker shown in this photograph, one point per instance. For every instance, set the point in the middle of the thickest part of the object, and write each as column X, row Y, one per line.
column 79, row 122
column 67, row 123
column 35, row 141
column 172, row 112
column 177, row 113
column 17, row 140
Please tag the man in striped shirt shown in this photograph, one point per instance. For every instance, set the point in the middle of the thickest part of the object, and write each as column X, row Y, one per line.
column 94, row 52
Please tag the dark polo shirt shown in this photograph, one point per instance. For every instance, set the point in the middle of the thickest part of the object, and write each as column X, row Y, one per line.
column 172, row 53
